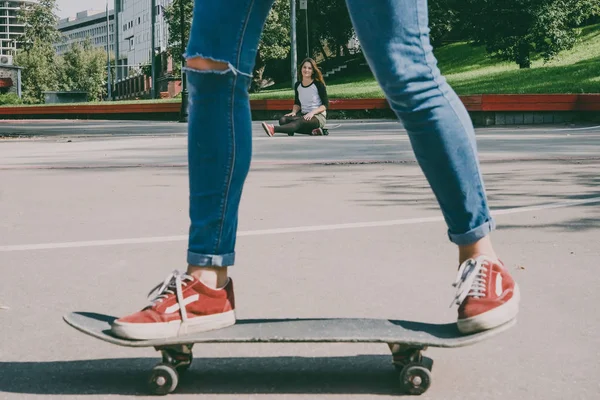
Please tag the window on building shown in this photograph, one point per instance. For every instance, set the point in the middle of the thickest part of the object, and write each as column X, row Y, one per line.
column 131, row 43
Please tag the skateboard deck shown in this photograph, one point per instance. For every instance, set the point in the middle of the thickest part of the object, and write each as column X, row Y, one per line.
column 297, row 331
column 406, row 339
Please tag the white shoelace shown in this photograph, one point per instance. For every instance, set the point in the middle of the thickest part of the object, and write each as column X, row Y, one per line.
column 471, row 279
column 172, row 285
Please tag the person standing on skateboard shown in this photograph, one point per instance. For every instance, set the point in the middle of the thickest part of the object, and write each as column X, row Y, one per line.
column 310, row 100
column 394, row 37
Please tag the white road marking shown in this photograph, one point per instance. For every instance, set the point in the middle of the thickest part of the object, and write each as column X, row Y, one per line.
column 298, row 229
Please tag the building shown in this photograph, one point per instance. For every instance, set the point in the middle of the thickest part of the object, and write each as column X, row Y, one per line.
column 90, row 24
column 10, row 28
column 134, row 47
column 130, row 42
column 134, row 44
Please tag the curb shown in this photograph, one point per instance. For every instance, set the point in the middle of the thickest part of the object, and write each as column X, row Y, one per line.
column 485, row 110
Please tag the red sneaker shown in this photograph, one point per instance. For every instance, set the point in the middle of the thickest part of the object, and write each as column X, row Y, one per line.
column 270, row 129
column 317, row 132
column 204, row 309
column 487, row 295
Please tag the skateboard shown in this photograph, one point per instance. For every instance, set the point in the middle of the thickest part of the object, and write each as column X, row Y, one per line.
column 326, row 128
column 407, row 341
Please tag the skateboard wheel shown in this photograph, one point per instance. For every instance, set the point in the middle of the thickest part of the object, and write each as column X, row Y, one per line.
column 291, row 134
column 163, row 379
column 415, row 379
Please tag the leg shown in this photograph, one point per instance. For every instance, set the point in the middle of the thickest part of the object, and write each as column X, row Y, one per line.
column 395, row 39
column 394, row 35
column 286, row 119
column 283, row 121
column 298, row 124
column 219, row 67
column 308, row 126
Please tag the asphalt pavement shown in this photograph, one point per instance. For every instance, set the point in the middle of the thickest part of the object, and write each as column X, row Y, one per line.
column 94, row 214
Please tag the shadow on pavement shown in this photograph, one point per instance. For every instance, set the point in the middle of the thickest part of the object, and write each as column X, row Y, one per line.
column 536, row 184
column 363, row 374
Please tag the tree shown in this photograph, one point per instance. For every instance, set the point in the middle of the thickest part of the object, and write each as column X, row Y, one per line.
column 83, row 68
column 37, row 54
column 39, row 72
column 275, row 41
column 443, row 19
column 329, row 26
column 517, row 30
column 274, row 44
column 173, row 17
column 40, row 23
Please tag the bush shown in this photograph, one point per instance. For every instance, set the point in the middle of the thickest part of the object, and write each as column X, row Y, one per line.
column 9, row 99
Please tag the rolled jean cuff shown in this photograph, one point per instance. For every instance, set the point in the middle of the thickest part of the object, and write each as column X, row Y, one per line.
column 210, row 260
column 474, row 234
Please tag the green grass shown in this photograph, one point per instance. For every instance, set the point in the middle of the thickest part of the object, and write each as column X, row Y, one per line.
column 469, row 70
column 351, row 87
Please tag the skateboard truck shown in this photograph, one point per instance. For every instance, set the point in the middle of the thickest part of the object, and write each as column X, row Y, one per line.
column 176, row 359
column 414, row 369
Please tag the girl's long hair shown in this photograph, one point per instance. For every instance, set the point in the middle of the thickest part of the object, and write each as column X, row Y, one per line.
column 316, row 75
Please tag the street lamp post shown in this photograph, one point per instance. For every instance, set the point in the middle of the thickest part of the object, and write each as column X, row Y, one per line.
column 294, row 55
column 108, row 77
column 184, row 93
column 153, row 46
column 304, row 6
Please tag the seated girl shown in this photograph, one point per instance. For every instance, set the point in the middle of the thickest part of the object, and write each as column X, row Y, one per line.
column 310, row 100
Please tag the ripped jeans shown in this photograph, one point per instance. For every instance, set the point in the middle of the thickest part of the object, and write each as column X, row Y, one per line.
column 394, row 37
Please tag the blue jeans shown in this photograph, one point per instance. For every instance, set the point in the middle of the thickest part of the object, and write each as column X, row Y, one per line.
column 394, row 36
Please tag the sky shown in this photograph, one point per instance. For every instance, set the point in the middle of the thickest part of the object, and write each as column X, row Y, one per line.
column 68, row 8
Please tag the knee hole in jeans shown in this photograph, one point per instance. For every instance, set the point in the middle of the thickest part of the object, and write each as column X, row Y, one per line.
column 206, row 64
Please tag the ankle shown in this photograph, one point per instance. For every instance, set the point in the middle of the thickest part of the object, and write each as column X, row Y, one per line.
column 482, row 247
column 213, row 277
